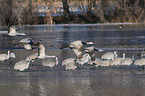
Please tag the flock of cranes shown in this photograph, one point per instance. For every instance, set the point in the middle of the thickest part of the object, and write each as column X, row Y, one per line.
column 47, row 60
column 84, row 54
column 27, row 44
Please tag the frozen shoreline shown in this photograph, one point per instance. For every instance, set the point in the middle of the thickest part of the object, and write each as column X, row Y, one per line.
column 85, row 24
column 96, row 24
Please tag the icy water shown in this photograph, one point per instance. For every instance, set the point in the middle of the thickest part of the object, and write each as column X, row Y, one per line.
column 86, row 81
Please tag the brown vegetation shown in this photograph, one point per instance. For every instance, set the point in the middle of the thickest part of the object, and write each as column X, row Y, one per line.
column 102, row 11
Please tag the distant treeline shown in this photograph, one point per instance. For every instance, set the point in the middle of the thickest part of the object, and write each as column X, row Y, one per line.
column 22, row 12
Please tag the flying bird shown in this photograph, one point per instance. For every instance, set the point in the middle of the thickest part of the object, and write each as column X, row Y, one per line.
column 26, row 43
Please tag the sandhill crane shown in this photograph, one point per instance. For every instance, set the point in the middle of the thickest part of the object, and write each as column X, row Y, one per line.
column 12, row 31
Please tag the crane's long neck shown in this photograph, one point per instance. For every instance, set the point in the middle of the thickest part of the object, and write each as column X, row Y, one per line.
column 115, row 53
column 8, row 56
column 28, row 61
column 41, row 51
column 123, row 55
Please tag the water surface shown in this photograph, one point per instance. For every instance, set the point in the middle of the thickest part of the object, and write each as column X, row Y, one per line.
column 86, row 81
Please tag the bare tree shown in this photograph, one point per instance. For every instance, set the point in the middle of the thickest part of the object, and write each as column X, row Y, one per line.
column 50, row 9
column 66, row 8
column 142, row 13
column 29, row 13
column 98, row 9
column 23, row 11
column 12, row 12
column 6, row 12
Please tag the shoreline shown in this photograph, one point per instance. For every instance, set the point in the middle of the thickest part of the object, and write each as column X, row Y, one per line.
column 88, row 24
column 95, row 24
